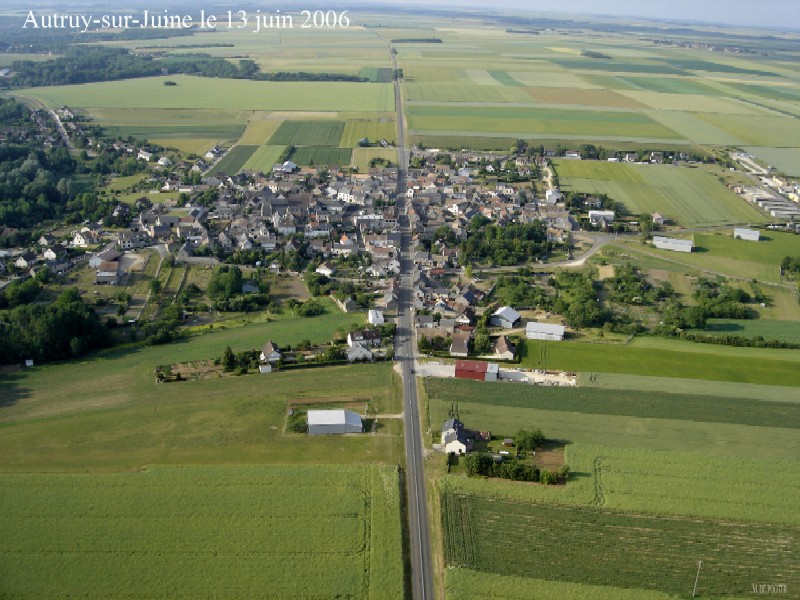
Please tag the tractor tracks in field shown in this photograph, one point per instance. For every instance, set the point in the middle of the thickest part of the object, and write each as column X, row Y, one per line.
column 599, row 491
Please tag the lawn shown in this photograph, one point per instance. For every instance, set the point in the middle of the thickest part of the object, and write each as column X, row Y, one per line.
column 235, row 159
column 692, row 197
column 641, row 357
column 308, row 133
column 603, row 547
column 204, row 531
column 231, row 94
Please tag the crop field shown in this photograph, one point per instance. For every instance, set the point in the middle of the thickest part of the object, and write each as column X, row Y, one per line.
column 739, row 258
column 787, row 331
column 374, row 131
column 235, row 159
column 463, row 92
column 692, row 197
column 264, row 158
column 599, row 401
column 190, row 532
column 308, row 133
column 749, row 365
column 504, row 78
column 694, row 103
column 236, row 94
column 362, row 156
column 377, row 74
column 591, row 98
column 537, row 121
column 767, row 131
column 614, row 548
column 786, row 160
column 317, row 156
column 260, row 127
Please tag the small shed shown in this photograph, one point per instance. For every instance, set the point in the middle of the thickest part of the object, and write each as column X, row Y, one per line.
column 338, row 421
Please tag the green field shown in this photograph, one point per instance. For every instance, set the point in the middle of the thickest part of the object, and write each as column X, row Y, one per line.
column 786, row 160
column 692, row 197
column 264, row 158
column 612, row 548
column 665, row 358
column 319, row 156
column 235, row 94
column 235, row 159
column 787, row 331
column 598, row 401
column 721, row 253
column 211, row 532
column 374, row 131
column 308, row 133
column 377, row 74
column 362, row 156
column 504, row 78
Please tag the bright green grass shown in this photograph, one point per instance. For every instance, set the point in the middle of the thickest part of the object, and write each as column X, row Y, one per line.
column 614, row 548
column 738, row 258
column 124, row 419
column 264, row 158
column 690, row 196
column 374, row 131
column 231, row 94
column 539, row 121
column 191, row 532
column 787, row 331
column 717, row 439
column 598, row 401
column 466, row 584
column 308, row 133
column 317, row 156
column 504, row 78
column 748, row 365
column 235, row 159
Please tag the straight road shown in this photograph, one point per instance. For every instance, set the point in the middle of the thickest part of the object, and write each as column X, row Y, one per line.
column 405, row 351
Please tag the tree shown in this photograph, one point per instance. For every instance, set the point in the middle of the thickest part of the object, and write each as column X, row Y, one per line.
column 155, row 287
column 228, row 360
column 529, row 440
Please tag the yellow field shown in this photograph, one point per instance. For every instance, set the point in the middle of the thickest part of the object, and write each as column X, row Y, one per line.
column 260, row 127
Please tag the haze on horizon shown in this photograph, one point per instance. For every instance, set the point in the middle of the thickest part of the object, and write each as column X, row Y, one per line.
column 781, row 14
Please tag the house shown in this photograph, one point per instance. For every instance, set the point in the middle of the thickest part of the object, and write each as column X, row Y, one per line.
column 270, row 353
column 674, row 244
column 742, row 233
column 46, row 239
column 425, row 322
column 658, row 219
column 476, row 369
column 25, row 260
column 145, row 155
column 107, row 273
column 326, row 269
column 368, row 337
column 504, row 349
column 375, row 317
column 544, row 331
column 601, row 217
column 505, row 317
column 454, row 438
column 55, row 252
column 460, row 345
column 164, row 161
column 105, row 256
column 338, row 421
column 347, row 305
column 357, row 351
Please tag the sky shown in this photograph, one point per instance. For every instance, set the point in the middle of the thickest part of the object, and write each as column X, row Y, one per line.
column 761, row 13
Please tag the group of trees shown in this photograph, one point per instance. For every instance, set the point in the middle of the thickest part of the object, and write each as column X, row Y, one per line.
column 64, row 329
column 510, row 245
column 714, row 301
column 577, row 301
column 225, row 291
column 790, row 265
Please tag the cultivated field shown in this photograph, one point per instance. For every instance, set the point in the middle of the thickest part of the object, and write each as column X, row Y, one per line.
column 692, row 197
column 235, row 159
column 308, row 133
column 374, row 131
column 189, row 532
column 322, row 155
column 264, row 158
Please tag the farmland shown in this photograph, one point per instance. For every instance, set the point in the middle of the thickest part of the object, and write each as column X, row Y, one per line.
column 187, row 532
column 374, row 131
column 691, row 197
column 322, row 155
column 235, row 159
column 628, row 550
column 787, row 331
column 308, row 133
column 264, row 158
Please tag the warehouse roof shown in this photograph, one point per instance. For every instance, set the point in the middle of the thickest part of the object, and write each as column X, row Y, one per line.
column 333, row 417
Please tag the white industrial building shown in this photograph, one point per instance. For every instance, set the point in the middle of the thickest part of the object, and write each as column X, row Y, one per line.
column 674, row 244
column 325, row 422
column 505, row 317
column 742, row 233
column 544, row 331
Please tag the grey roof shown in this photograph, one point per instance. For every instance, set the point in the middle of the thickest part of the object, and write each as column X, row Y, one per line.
column 333, row 417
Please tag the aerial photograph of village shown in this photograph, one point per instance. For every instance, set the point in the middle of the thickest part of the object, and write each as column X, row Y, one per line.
column 381, row 300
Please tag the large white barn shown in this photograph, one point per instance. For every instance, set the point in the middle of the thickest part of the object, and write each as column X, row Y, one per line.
column 674, row 244
column 322, row 422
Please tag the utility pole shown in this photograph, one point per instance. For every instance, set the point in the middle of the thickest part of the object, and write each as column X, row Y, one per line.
column 699, row 565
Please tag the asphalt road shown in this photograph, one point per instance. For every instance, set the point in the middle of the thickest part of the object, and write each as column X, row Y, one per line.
column 420, row 546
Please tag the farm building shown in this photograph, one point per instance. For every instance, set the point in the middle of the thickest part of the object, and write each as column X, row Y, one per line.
column 665, row 243
column 325, row 422
column 544, row 331
column 742, row 233
column 476, row 369
column 505, row 317
column 375, row 317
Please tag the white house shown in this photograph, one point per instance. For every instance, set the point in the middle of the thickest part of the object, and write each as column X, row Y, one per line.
column 326, row 270
column 742, row 233
column 375, row 317
column 600, row 217
column 164, row 161
column 454, row 438
column 674, row 244
column 505, row 317
column 544, row 331
column 358, row 352
column 270, row 353
column 145, row 155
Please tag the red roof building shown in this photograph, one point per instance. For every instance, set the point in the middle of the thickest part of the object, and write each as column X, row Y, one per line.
column 476, row 369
